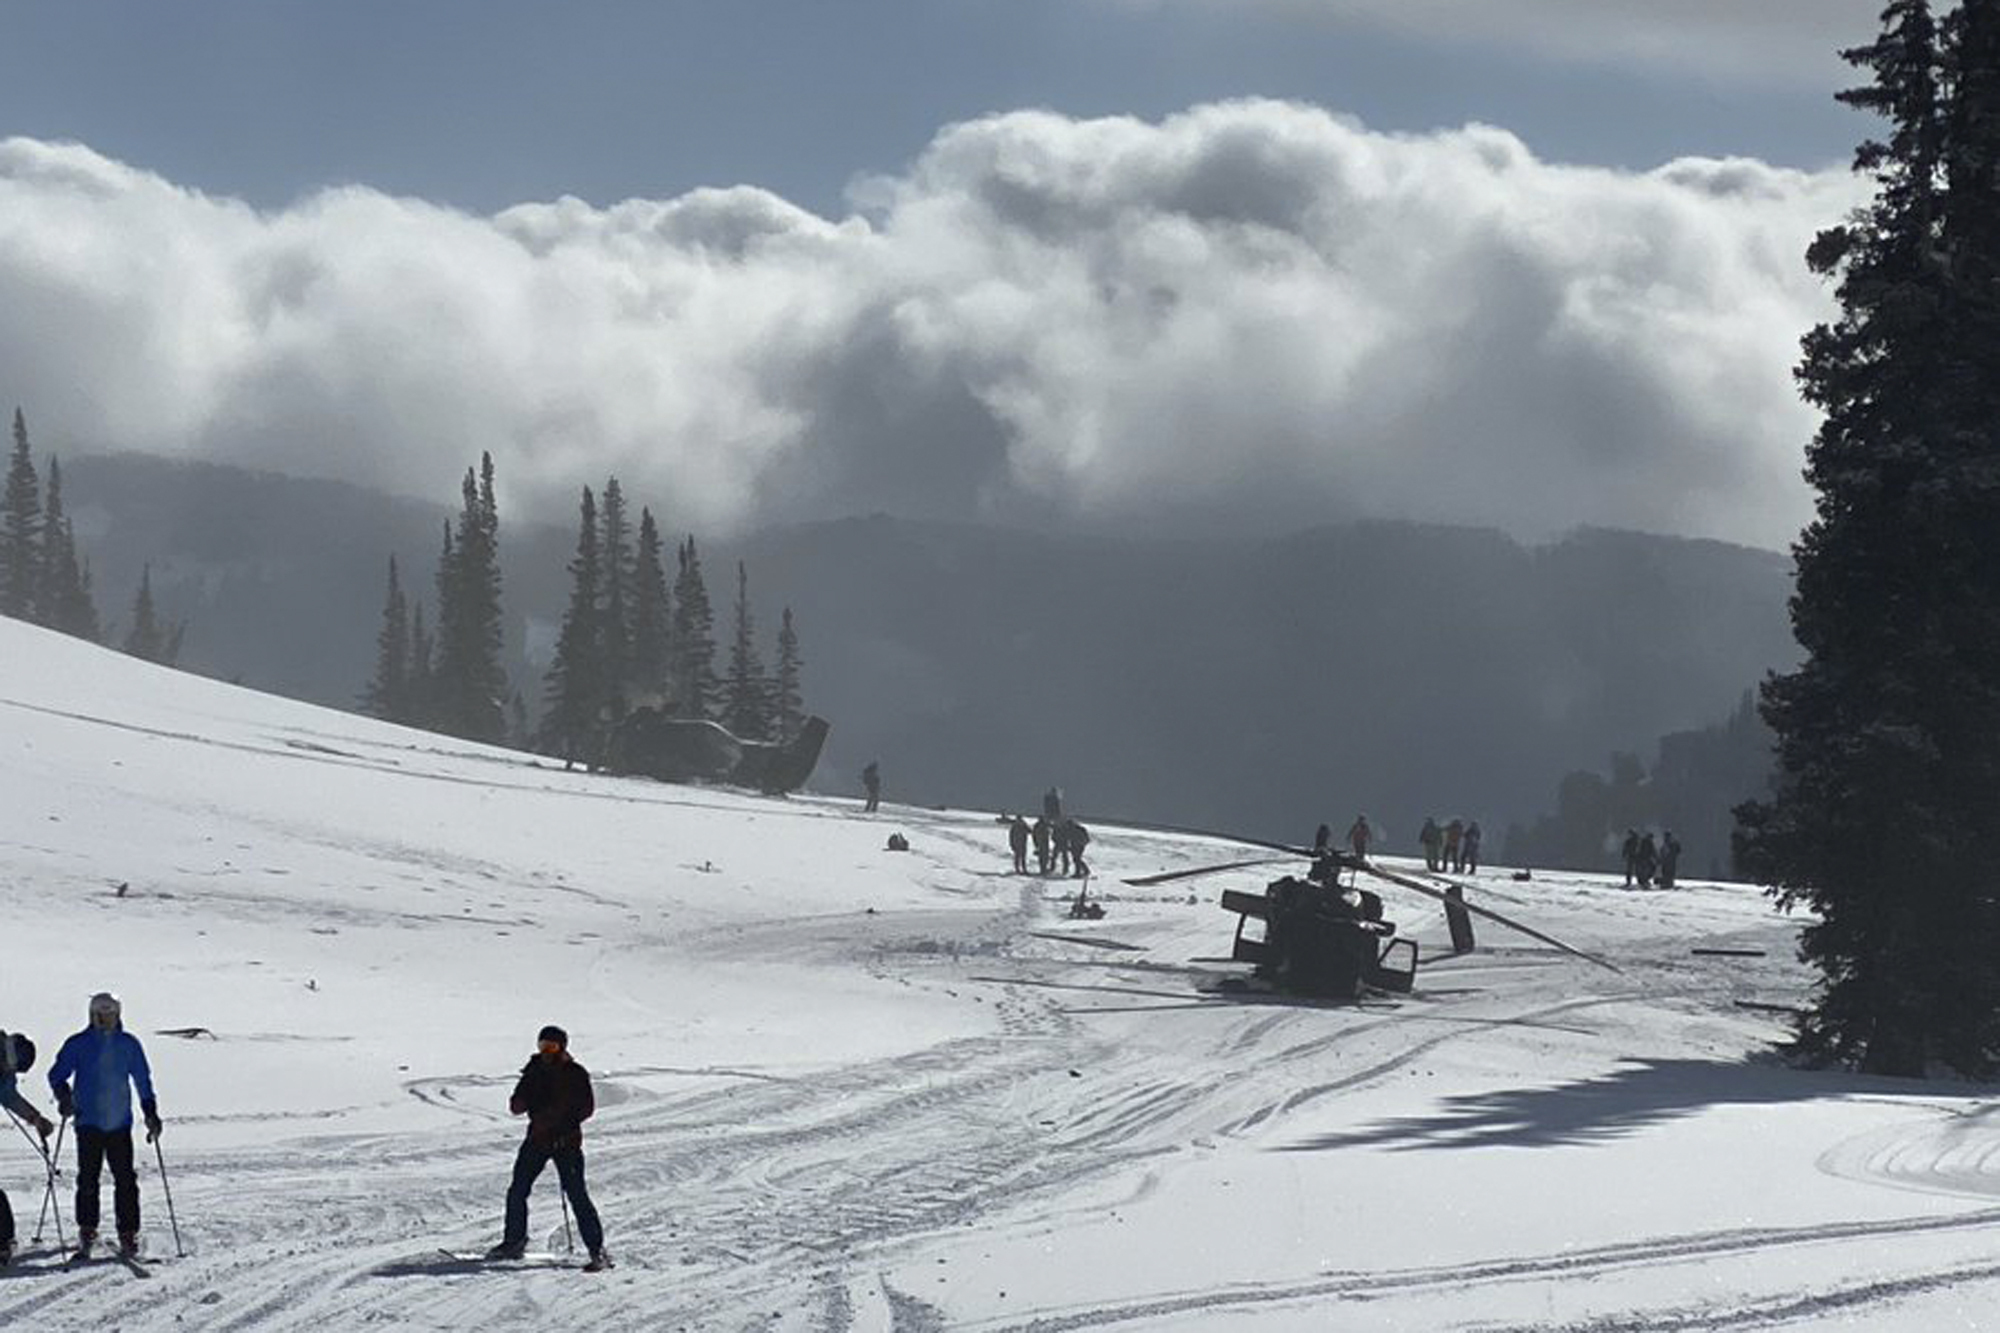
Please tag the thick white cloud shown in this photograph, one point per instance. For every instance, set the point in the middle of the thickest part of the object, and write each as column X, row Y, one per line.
column 1770, row 41
column 1250, row 315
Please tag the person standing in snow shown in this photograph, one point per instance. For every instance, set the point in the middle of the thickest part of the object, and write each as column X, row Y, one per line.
column 554, row 1093
column 1359, row 835
column 1670, row 858
column 871, row 778
column 1075, row 838
column 1042, row 833
column 17, row 1056
column 1322, row 839
column 1631, row 856
column 107, row 1062
column 1647, row 861
column 1451, row 859
column 1432, row 838
column 1468, row 849
column 1017, row 842
column 1052, row 805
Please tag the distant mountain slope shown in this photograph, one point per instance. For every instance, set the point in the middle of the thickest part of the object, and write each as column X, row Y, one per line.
column 1261, row 684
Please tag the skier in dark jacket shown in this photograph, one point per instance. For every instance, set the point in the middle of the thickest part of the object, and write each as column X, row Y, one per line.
column 554, row 1093
column 17, row 1056
column 1052, row 805
column 1631, row 856
column 1468, row 849
column 1017, row 842
column 1359, row 835
column 871, row 779
column 1043, row 834
column 107, row 1063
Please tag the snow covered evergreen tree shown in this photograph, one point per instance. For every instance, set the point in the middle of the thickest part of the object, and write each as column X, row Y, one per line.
column 1883, row 815
column 652, row 618
column 20, row 529
column 697, row 692
column 746, row 691
column 574, row 688
column 787, row 697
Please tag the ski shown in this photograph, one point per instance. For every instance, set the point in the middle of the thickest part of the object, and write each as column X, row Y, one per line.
column 535, row 1259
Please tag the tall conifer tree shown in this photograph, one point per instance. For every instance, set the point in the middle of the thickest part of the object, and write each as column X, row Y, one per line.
column 150, row 637
column 1883, row 814
column 20, row 529
column 697, row 691
column 787, row 690
column 65, row 602
column 388, row 694
column 746, row 700
column 619, row 573
column 652, row 615
column 574, row 688
column 469, row 685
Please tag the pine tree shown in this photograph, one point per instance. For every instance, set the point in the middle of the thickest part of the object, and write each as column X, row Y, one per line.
column 388, row 694
column 151, row 638
column 574, row 688
column 20, row 529
column 419, row 686
column 1889, row 732
column 65, row 602
column 619, row 573
column 468, row 683
column 787, row 697
column 696, row 689
column 746, row 701
column 652, row 618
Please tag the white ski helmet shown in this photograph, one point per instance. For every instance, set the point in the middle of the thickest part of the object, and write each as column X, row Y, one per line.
column 105, row 1010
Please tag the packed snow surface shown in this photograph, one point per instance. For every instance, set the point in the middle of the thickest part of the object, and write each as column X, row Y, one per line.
column 842, row 1088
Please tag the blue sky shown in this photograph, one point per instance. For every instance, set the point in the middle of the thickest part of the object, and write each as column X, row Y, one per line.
column 486, row 103
column 1227, row 264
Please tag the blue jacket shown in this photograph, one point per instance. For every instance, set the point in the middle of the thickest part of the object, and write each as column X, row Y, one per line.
column 102, row 1062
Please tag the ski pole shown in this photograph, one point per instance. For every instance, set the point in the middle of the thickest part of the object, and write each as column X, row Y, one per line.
column 569, row 1241
column 160, row 1154
column 49, row 1202
column 48, row 1165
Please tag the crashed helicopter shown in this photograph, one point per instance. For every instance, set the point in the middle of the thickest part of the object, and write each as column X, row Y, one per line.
column 1323, row 936
column 651, row 743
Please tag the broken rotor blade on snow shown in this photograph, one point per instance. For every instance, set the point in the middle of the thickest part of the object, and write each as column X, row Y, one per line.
column 1195, row 872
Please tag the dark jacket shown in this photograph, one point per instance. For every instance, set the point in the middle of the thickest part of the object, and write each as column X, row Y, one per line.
column 556, row 1098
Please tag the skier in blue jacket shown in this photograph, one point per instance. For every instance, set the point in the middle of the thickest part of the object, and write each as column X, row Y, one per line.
column 105, row 1058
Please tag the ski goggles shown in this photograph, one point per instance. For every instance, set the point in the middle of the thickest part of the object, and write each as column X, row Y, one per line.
column 548, row 1047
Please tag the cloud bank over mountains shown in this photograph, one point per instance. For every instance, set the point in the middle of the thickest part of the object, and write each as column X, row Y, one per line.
column 1247, row 316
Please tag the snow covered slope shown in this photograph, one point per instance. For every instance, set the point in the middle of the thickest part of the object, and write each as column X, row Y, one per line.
column 844, row 1088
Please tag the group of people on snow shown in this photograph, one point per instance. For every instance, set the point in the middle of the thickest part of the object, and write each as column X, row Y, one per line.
column 1647, row 861
column 92, row 1080
column 97, row 1070
column 1452, row 846
column 1059, row 840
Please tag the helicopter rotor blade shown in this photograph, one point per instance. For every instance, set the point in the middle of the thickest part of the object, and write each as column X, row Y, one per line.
column 1196, row 872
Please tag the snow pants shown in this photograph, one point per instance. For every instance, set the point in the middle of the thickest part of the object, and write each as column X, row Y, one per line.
column 93, row 1148
column 528, row 1164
